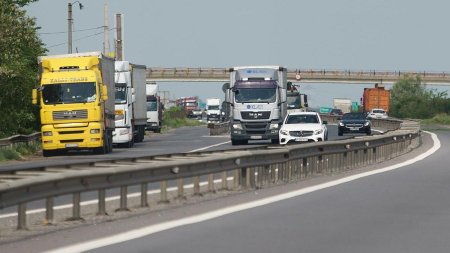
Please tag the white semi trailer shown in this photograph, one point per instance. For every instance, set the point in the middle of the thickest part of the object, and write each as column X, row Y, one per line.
column 257, row 96
column 130, row 103
column 154, row 108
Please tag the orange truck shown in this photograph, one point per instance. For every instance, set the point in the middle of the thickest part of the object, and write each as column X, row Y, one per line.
column 376, row 97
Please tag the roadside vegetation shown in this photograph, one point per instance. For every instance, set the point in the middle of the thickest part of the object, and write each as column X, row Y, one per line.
column 175, row 118
column 19, row 151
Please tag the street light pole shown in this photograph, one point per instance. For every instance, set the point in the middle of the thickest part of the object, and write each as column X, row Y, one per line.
column 70, row 23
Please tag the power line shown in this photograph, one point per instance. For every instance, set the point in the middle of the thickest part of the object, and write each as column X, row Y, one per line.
column 82, row 38
column 81, row 30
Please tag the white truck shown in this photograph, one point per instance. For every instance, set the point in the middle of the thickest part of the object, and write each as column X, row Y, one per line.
column 154, row 108
column 257, row 96
column 344, row 104
column 131, row 116
column 213, row 109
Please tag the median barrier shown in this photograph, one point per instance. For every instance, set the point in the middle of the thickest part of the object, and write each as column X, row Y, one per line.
column 254, row 168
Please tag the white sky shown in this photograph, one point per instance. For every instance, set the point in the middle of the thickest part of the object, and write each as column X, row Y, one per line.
column 315, row 34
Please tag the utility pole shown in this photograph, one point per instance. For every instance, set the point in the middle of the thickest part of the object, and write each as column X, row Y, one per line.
column 105, row 31
column 119, row 45
column 69, row 28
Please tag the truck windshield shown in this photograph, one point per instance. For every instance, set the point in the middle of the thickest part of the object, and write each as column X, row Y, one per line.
column 121, row 93
column 213, row 107
column 259, row 95
column 68, row 93
column 293, row 102
column 152, row 106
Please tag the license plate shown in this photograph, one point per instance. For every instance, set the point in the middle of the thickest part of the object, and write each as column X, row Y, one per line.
column 354, row 128
column 71, row 145
column 301, row 139
column 256, row 137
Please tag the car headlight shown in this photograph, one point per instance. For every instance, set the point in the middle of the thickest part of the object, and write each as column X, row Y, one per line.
column 367, row 123
column 237, row 126
column 273, row 126
column 284, row 132
column 318, row 131
column 341, row 124
column 48, row 133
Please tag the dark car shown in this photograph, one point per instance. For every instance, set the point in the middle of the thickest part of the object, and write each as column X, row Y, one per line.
column 336, row 112
column 354, row 122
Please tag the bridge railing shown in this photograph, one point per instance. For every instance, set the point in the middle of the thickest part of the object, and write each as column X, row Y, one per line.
column 248, row 168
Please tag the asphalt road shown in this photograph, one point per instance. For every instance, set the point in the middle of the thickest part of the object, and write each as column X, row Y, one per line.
column 403, row 210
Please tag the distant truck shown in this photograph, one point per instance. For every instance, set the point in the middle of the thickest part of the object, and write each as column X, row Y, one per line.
column 213, row 112
column 154, row 109
column 376, row 98
column 296, row 101
column 344, row 104
column 76, row 102
column 257, row 96
column 130, row 108
column 188, row 104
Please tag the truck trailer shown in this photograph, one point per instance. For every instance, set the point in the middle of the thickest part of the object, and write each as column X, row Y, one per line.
column 257, row 95
column 344, row 104
column 130, row 103
column 76, row 98
column 376, row 98
column 296, row 101
column 154, row 109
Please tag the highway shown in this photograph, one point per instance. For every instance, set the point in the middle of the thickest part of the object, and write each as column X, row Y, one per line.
column 403, row 210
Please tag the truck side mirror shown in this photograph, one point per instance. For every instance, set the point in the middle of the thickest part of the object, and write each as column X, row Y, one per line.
column 133, row 98
column 283, row 96
column 104, row 92
column 34, row 97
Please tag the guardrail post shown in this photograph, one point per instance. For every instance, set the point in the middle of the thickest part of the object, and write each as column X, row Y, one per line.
column 49, row 213
column 211, row 183
column 224, row 180
column 22, row 216
column 180, row 186
column 289, row 172
column 236, row 178
column 196, row 182
column 144, row 199
column 163, row 197
column 123, row 199
column 76, row 209
column 101, row 202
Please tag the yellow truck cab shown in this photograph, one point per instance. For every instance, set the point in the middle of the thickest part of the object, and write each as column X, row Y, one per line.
column 76, row 98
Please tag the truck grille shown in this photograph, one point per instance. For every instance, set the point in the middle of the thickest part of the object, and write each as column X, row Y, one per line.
column 75, row 114
column 300, row 133
column 255, row 115
column 255, row 128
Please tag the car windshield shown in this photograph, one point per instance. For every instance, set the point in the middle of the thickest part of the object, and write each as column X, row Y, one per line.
column 352, row 116
column 63, row 93
column 213, row 107
column 378, row 111
column 301, row 119
column 259, row 95
column 336, row 111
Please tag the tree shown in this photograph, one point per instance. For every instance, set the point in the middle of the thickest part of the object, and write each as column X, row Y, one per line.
column 411, row 99
column 19, row 48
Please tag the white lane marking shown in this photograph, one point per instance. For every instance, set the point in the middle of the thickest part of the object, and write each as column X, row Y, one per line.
column 92, row 202
column 145, row 231
column 215, row 145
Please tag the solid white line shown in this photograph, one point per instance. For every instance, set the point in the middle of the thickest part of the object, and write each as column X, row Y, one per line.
column 145, row 231
column 215, row 145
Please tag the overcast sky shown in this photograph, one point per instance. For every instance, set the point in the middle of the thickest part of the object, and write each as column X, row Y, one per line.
column 316, row 34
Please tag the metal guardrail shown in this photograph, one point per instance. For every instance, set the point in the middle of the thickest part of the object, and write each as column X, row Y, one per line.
column 12, row 141
column 250, row 169
column 157, row 74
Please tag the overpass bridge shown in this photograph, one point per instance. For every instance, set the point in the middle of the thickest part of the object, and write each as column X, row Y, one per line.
column 158, row 74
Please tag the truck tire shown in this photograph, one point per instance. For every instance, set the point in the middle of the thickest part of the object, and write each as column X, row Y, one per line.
column 369, row 132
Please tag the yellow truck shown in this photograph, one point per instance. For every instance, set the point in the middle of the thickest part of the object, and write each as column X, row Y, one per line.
column 76, row 97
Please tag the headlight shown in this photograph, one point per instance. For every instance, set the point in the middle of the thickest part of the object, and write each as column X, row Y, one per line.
column 123, row 131
column 319, row 131
column 273, row 126
column 237, row 126
column 95, row 131
column 119, row 117
column 367, row 123
column 341, row 124
column 284, row 132
column 49, row 133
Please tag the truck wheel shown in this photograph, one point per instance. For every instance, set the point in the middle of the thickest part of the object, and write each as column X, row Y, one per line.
column 369, row 132
column 238, row 142
column 158, row 130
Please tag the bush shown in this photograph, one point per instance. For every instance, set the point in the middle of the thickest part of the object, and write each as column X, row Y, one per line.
column 441, row 119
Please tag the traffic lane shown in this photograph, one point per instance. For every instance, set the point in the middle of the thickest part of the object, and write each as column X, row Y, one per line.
column 404, row 210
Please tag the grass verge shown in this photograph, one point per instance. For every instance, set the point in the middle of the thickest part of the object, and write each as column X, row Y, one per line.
column 438, row 122
column 19, row 151
column 176, row 118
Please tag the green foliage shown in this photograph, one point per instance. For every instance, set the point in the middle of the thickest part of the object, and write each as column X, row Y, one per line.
column 439, row 119
column 19, row 48
column 411, row 99
column 19, row 150
column 175, row 118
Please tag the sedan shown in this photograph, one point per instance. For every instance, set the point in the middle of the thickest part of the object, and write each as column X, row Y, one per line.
column 303, row 127
column 377, row 114
column 354, row 122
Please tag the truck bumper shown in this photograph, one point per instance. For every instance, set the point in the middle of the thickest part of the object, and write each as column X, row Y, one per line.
column 89, row 136
column 254, row 131
column 122, row 135
column 151, row 126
